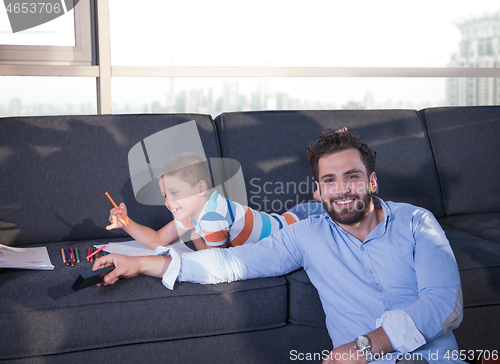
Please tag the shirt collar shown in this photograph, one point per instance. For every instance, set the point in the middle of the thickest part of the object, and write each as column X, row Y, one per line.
column 387, row 212
column 211, row 201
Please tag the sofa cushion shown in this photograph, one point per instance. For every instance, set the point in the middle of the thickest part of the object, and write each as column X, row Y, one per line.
column 486, row 226
column 43, row 315
column 304, row 305
column 271, row 147
column 292, row 343
column 59, row 168
column 479, row 329
column 466, row 150
column 479, row 265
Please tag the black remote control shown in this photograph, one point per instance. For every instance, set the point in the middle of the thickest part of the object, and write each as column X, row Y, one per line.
column 91, row 278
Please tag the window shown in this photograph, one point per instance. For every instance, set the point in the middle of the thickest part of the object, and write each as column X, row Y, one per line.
column 281, row 54
column 28, row 96
column 283, row 33
column 489, row 47
column 57, row 32
column 221, row 55
column 61, row 51
column 213, row 96
column 65, row 40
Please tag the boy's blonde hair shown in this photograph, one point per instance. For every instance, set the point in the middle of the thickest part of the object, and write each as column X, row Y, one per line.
column 188, row 167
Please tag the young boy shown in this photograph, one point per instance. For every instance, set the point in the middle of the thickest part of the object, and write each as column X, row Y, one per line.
column 215, row 222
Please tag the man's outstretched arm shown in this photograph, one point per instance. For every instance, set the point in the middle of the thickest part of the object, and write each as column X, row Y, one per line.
column 126, row 267
column 276, row 255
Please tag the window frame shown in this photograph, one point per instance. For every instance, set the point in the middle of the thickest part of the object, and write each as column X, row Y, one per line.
column 79, row 55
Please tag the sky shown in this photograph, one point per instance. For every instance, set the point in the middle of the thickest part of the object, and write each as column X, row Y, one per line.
column 323, row 33
column 290, row 33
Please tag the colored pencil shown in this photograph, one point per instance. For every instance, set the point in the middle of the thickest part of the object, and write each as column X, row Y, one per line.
column 116, row 207
column 97, row 251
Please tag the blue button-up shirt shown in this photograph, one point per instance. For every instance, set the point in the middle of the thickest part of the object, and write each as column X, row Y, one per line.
column 403, row 277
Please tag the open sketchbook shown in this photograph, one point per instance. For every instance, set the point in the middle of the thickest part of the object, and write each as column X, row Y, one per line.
column 25, row 258
column 133, row 248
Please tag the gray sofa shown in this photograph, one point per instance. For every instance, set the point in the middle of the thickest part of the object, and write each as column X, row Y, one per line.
column 55, row 170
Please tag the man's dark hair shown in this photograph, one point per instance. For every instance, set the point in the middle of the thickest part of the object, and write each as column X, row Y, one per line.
column 331, row 141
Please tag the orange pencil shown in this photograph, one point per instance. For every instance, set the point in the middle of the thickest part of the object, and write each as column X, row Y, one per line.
column 116, row 207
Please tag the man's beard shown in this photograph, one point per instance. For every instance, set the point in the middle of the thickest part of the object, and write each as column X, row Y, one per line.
column 349, row 216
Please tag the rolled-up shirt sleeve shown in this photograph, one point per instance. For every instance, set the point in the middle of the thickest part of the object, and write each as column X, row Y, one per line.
column 276, row 255
column 172, row 272
column 401, row 331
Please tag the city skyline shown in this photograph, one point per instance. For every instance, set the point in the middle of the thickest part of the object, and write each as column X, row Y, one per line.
column 202, row 101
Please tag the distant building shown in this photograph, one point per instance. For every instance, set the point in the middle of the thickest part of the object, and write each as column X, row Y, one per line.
column 15, row 107
column 479, row 47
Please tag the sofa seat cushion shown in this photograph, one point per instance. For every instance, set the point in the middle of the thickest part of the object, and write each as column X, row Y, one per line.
column 283, row 345
column 304, row 304
column 479, row 265
column 486, row 226
column 43, row 315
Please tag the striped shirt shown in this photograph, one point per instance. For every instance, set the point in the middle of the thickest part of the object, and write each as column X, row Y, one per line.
column 222, row 220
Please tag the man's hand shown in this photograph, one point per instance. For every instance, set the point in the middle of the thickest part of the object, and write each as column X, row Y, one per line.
column 127, row 267
column 345, row 354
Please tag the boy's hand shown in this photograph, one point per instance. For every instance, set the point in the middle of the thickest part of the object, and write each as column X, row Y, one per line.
column 126, row 267
column 116, row 219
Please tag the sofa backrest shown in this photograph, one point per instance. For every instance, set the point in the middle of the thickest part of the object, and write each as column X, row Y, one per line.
column 466, row 147
column 54, row 171
column 271, row 147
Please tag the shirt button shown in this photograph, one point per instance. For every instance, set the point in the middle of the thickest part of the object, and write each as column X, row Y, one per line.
column 362, row 248
column 371, row 270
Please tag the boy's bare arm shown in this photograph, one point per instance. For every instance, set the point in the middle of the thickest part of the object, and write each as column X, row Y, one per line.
column 143, row 234
column 126, row 267
column 169, row 233
column 152, row 238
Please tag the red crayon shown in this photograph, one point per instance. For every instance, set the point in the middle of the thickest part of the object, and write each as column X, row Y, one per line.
column 94, row 253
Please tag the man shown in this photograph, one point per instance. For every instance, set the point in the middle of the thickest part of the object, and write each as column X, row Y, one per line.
column 385, row 272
